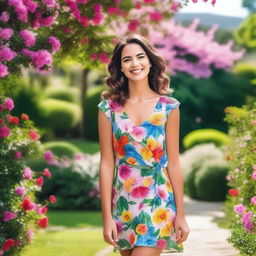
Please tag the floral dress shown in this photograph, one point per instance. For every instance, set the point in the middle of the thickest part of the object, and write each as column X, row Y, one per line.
column 143, row 205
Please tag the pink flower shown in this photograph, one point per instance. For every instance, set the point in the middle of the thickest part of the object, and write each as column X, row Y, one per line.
column 103, row 57
column 124, row 171
column 47, row 173
column 3, row 70
column 49, row 158
column 55, row 43
column 9, row 216
column 27, row 173
column 161, row 243
column 40, row 181
column 253, row 122
column 50, row 3
column 4, row 17
column 41, row 59
column 42, row 210
column 18, row 154
column 30, row 5
column 84, row 40
column 4, row 132
column 33, row 135
column 239, row 208
column 27, row 205
column 114, row 106
column 254, row 175
column 119, row 225
column 161, row 192
column 175, row 6
column 8, row 103
column 246, row 220
column 52, row 198
column 156, row 16
column 133, row 24
column 149, row 1
column 140, row 192
column 93, row 56
column 30, row 233
column 113, row 10
column 28, row 37
column 6, row 33
column 6, row 54
column 253, row 200
column 138, row 133
column 20, row 191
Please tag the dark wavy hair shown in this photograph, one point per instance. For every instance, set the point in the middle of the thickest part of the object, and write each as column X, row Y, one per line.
column 118, row 83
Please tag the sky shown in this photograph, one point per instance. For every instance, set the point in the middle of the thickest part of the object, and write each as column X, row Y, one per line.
column 222, row 7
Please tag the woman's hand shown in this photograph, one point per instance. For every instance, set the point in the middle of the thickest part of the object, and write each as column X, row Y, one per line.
column 181, row 229
column 110, row 232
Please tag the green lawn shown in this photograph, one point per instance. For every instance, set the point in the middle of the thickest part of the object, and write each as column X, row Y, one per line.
column 86, row 146
column 69, row 234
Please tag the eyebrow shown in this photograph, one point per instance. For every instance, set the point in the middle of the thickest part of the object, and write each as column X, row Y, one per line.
column 136, row 55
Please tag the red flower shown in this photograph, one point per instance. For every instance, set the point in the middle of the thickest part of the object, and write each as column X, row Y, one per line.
column 47, row 173
column 24, row 117
column 9, row 118
column 27, row 205
column 52, row 199
column 233, row 192
column 33, row 135
column 15, row 120
column 40, row 181
column 8, row 243
column 43, row 222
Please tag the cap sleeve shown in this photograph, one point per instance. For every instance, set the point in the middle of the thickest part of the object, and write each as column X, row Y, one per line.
column 171, row 104
column 104, row 107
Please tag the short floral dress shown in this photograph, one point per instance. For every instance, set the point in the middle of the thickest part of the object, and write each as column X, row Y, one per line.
column 143, row 205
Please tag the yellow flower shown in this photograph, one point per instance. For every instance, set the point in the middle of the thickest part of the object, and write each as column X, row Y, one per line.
column 146, row 153
column 147, row 182
column 166, row 230
column 161, row 215
column 129, row 183
column 157, row 119
column 131, row 160
column 151, row 143
column 126, row 216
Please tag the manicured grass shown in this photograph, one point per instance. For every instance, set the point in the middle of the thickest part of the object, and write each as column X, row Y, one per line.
column 86, row 146
column 75, row 219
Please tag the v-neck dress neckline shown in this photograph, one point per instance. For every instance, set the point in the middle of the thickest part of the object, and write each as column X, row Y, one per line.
column 151, row 113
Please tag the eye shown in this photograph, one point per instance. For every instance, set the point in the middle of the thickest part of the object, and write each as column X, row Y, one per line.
column 141, row 57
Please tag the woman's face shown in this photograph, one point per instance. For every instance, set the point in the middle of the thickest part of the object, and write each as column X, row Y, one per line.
column 135, row 63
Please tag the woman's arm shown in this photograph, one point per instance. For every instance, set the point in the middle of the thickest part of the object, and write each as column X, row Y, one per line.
column 106, row 172
column 173, row 167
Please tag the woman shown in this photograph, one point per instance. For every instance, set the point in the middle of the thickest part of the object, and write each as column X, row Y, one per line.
column 140, row 171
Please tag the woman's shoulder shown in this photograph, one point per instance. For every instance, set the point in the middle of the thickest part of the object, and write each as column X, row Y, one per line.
column 169, row 100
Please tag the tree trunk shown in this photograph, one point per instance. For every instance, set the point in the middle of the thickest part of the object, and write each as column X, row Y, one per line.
column 84, row 87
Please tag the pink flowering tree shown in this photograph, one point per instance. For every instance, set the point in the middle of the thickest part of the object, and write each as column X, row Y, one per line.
column 20, row 215
column 242, row 178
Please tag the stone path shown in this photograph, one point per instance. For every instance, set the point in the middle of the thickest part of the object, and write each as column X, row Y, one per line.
column 205, row 237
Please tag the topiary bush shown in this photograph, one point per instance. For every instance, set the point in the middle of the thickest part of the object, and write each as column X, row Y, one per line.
column 60, row 115
column 61, row 148
column 63, row 93
column 210, row 180
column 201, row 136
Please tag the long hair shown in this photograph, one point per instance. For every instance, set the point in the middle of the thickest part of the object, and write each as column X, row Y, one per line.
column 118, row 83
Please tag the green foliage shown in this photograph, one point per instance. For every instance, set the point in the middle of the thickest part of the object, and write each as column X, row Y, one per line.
column 91, row 112
column 241, row 153
column 60, row 115
column 9, row 84
column 201, row 136
column 61, row 148
column 210, row 180
column 63, row 93
column 245, row 35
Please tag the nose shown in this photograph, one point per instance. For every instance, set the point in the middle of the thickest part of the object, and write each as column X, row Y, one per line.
column 134, row 62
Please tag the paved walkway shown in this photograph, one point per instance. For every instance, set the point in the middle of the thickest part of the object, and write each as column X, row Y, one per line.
column 205, row 237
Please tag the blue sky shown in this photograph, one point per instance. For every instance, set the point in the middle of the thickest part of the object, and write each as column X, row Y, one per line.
column 222, row 7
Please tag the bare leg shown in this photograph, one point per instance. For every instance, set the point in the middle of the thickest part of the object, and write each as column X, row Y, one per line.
column 127, row 252
column 143, row 250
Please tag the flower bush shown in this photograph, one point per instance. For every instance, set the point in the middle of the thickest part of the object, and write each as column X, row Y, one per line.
column 20, row 215
column 242, row 178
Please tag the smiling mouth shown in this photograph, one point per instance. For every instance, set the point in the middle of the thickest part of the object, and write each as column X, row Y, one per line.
column 136, row 71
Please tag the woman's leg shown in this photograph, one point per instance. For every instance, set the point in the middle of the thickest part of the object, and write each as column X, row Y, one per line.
column 143, row 250
column 127, row 252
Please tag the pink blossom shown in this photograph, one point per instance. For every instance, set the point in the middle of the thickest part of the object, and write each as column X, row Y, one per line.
column 253, row 200
column 4, row 132
column 239, row 208
column 103, row 57
column 30, row 233
column 113, row 10
column 133, row 24
column 18, row 154
column 9, row 216
column 50, row 3
column 84, row 21
column 149, row 1
column 20, row 191
column 253, row 122
column 140, row 192
column 49, row 158
column 67, row 30
column 161, row 243
column 40, row 181
column 246, row 220
column 6, row 54
column 47, row 173
column 27, row 173
column 30, row 5
column 254, row 175
column 175, row 6
column 41, row 210
column 4, row 17
column 124, row 171
column 8, row 103
column 93, row 56
column 55, row 43
column 156, row 16
column 3, row 70
column 162, row 193
column 84, row 40
column 6, row 33
column 28, row 37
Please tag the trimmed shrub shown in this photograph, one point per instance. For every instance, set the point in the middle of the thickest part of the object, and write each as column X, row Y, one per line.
column 61, row 148
column 202, row 136
column 210, row 180
column 60, row 115
column 63, row 93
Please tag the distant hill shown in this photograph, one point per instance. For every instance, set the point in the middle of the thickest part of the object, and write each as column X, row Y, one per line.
column 224, row 22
